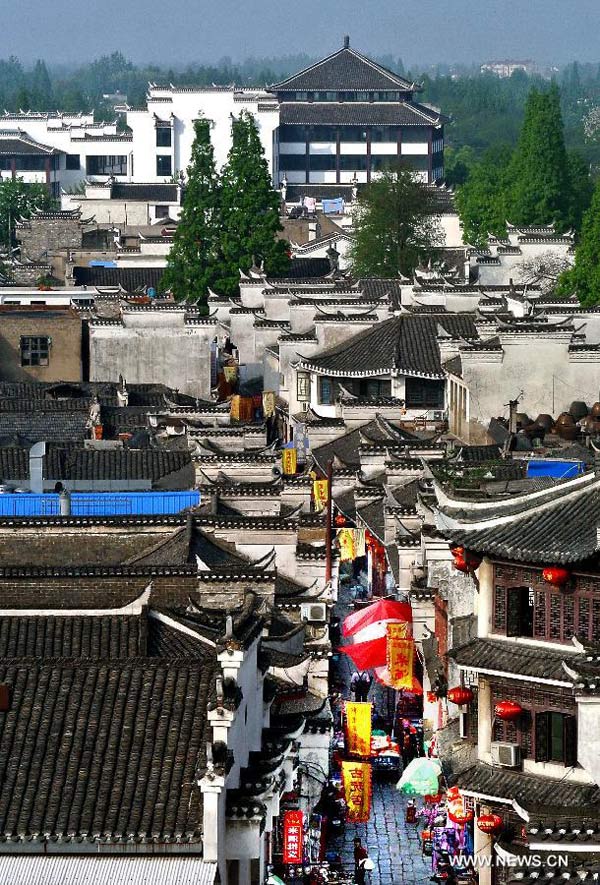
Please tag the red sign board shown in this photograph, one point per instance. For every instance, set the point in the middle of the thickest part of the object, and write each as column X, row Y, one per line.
column 293, row 836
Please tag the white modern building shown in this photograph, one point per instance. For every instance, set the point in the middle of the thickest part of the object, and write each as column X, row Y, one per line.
column 331, row 126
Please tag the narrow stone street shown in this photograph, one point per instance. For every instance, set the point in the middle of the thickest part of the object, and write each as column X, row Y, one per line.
column 393, row 845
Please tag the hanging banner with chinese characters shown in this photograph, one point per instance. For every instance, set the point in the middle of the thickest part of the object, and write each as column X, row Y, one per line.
column 293, row 836
column 301, row 442
column 347, row 544
column 360, row 543
column 230, row 373
column 356, row 779
column 320, row 494
column 268, row 403
column 400, row 656
column 289, row 461
column 358, row 728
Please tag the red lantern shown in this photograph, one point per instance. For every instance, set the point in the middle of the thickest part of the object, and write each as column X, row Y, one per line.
column 452, row 794
column 431, row 697
column 460, row 815
column 340, row 519
column 464, row 561
column 556, row 575
column 489, row 823
column 426, row 835
column 508, row 711
column 433, row 800
column 460, row 695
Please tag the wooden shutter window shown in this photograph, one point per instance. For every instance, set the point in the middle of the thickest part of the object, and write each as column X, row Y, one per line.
column 500, row 609
column 570, row 739
column 542, row 736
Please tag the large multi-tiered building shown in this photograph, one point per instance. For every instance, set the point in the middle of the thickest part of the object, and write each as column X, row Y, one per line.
column 337, row 122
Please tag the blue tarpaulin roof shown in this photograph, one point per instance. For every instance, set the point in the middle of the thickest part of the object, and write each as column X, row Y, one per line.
column 557, row 469
column 99, row 503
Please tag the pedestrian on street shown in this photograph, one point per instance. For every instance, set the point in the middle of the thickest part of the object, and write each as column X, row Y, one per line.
column 360, row 685
column 360, row 856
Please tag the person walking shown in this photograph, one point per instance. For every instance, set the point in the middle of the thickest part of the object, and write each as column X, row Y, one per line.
column 361, row 855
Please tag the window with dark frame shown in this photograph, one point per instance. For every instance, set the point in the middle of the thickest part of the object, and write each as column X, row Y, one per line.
column 112, row 164
column 161, row 211
column 555, row 738
column 164, row 164
column 326, row 391
column 163, row 136
column 35, row 350
column 73, row 162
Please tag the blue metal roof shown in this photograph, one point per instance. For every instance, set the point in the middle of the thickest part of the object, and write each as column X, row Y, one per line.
column 99, row 503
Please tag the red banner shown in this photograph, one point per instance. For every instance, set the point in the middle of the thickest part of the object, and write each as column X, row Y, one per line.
column 356, row 778
column 358, row 728
column 293, row 836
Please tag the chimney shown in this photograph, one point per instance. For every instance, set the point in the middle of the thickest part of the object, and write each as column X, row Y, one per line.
column 37, row 453
column 64, row 503
column 346, row 42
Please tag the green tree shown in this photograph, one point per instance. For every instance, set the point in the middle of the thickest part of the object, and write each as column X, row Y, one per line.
column 540, row 184
column 41, row 87
column 22, row 100
column 18, row 200
column 193, row 262
column 395, row 225
column 583, row 279
column 249, row 210
column 581, row 188
column 458, row 165
column 481, row 201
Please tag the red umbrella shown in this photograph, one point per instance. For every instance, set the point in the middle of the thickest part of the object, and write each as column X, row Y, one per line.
column 367, row 655
column 382, row 610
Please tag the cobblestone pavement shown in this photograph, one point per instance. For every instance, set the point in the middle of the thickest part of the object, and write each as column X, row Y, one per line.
column 393, row 845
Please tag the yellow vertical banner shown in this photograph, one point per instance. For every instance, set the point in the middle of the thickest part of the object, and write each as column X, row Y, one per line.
column 400, row 656
column 268, row 403
column 358, row 728
column 320, row 493
column 288, row 461
column 360, row 543
column 347, row 544
column 356, row 780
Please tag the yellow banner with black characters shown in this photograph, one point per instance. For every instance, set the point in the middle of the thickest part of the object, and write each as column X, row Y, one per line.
column 400, row 656
column 320, row 494
column 358, row 728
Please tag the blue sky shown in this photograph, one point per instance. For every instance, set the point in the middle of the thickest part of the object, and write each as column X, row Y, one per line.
column 419, row 31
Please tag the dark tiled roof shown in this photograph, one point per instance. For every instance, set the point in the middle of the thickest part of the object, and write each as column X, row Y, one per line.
column 103, row 750
column 155, row 193
column 355, row 113
column 512, row 657
column 373, row 517
column 527, row 789
column 479, row 453
column 346, row 70
column 22, row 145
column 408, row 342
column 130, row 278
column 48, row 425
column 154, row 464
column 40, row 636
column 306, row 268
column 563, row 532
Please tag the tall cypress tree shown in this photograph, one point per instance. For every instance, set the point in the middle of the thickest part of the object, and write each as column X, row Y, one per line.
column 249, row 210
column 192, row 265
column 540, row 189
column 41, row 87
column 583, row 278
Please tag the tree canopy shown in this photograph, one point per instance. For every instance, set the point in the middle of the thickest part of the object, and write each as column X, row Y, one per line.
column 18, row 200
column 583, row 279
column 395, row 225
column 249, row 219
column 192, row 265
column 538, row 183
column 228, row 221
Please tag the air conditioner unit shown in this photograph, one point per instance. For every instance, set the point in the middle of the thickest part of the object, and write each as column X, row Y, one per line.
column 506, row 755
column 316, row 611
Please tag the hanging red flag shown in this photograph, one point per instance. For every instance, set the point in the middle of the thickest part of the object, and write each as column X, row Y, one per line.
column 293, row 836
column 382, row 610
